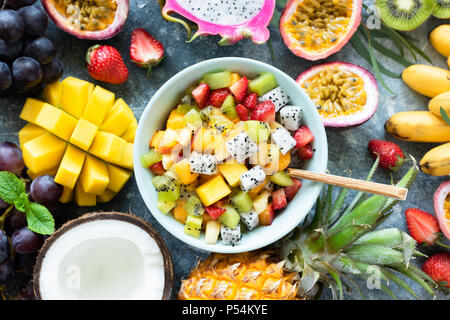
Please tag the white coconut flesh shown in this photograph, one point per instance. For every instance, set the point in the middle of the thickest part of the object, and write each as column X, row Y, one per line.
column 103, row 259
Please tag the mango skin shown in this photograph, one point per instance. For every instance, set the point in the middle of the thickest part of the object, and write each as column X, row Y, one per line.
column 439, row 39
column 440, row 101
column 427, row 80
column 436, row 162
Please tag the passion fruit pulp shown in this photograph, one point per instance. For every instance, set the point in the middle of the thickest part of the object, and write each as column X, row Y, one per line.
column 442, row 207
column 315, row 29
column 345, row 95
column 88, row 19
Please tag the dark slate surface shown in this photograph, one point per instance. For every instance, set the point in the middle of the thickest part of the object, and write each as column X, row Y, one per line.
column 347, row 149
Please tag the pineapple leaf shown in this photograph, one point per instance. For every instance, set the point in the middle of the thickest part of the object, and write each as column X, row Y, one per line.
column 308, row 280
column 335, row 275
column 353, row 282
column 390, row 237
column 337, row 205
column 409, row 247
column 399, row 282
column 328, row 201
column 410, row 273
column 345, row 264
column 375, row 254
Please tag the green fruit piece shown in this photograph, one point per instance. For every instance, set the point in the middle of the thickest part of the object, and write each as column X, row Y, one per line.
column 193, row 117
column 242, row 202
column 442, row 9
column 220, row 123
column 217, row 80
column 396, row 15
column 194, row 206
column 150, row 158
column 165, row 207
column 229, row 107
column 230, row 218
column 185, row 108
column 206, row 113
column 282, row 179
column 263, row 84
column 193, row 226
column 258, row 131
column 168, row 188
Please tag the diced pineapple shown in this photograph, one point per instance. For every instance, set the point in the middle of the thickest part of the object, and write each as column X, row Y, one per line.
column 29, row 132
column 185, row 136
column 232, row 172
column 168, row 141
column 118, row 119
column 56, row 121
column 75, row 95
column 179, row 213
column 70, row 167
column 130, row 133
column 203, row 140
column 31, row 109
column 156, row 139
column 165, row 207
column 52, row 93
column 183, row 171
column 94, row 177
column 44, row 152
column 117, row 177
column 82, row 198
column 175, row 120
column 83, row 135
column 106, row 196
column 261, row 202
column 108, row 147
column 168, row 160
column 66, row 196
column 212, row 231
column 212, row 191
column 98, row 105
column 34, row 175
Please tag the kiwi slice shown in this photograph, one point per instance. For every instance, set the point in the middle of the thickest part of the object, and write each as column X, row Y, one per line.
column 150, row 158
column 242, row 202
column 230, row 218
column 229, row 107
column 205, row 113
column 217, row 80
column 193, row 226
column 194, row 207
column 168, row 188
column 263, row 84
column 281, row 178
column 193, row 117
column 442, row 9
column 404, row 15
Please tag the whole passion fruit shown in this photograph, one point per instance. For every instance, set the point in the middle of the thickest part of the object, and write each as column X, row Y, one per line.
column 345, row 94
column 88, row 19
column 442, row 207
column 315, row 29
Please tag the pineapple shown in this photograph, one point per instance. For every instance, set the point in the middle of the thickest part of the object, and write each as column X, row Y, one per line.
column 337, row 245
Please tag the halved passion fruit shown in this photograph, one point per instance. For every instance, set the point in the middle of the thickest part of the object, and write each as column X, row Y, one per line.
column 315, row 29
column 345, row 94
column 442, row 207
column 89, row 19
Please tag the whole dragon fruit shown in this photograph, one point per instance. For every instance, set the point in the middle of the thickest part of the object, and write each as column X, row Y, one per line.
column 231, row 19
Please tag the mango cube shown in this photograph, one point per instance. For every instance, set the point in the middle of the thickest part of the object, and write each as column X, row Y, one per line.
column 118, row 119
column 31, row 109
column 34, row 175
column 117, row 177
column 44, row 152
column 83, row 135
column 108, row 147
column 106, row 196
column 94, row 177
column 183, row 171
column 75, row 95
column 130, row 133
column 212, row 191
column 55, row 120
column 29, row 132
column 126, row 161
column 232, row 172
column 84, row 199
column 99, row 104
column 66, row 196
column 52, row 93
column 175, row 120
column 70, row 167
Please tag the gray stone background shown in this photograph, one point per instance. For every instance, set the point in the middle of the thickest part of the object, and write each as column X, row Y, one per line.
column 347, row 149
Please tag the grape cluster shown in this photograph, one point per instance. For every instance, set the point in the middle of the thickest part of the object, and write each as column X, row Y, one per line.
column 27, row 57
column 18, row 244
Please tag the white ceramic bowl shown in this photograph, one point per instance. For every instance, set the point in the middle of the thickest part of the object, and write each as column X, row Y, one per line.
column 166, row 99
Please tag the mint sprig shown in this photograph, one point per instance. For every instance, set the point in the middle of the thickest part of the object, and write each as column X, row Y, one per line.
column 13, row 192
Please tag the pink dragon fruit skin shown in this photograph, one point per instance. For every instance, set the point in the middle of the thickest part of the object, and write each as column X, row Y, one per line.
column 255, row 28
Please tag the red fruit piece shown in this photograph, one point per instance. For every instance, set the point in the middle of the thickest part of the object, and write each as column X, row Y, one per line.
column 251, row 101
column 438, row 268
column 242, row 112
column 264, row 111
column 214, row 212
column 292, row 190
column 266, row 217
column 279, row 199
column 305, row 152
column 391, row 156
column 218, row 96
column 422, row 226
column 201, row 95
column 105, row 63
column 303, row 136
column 157, row 168
column 145, row 51
column 239, row 89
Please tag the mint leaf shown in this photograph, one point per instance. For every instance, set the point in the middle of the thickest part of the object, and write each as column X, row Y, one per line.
column 444, row 116
column 22, row 203
column 11, row 187
column 39, row 219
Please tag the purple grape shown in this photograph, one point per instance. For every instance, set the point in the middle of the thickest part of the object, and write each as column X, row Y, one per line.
column 25, row 263
column 25, row 241
column 40, row 49
column 12, row 25
column 16, row 220
column 45, row 190
column 52, row 71
column 5, row 76
column 35, row 19
column 4, row 246
column 33, row 91
column 7, row 271
column 10, row 50
column 27, row 72
column 11, row 158
column 26, row 291
column 16, row 4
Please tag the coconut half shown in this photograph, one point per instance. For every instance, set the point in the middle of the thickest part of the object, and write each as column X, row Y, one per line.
column 104, row 256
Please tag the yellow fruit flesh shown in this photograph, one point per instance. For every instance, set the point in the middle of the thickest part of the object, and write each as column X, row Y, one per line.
column 183, row 171
column 70, row 167
column 213, row 190
column 34, row 175
column 106, row 196
column 118, row 119
column 29, row 132
column 82, row 198
column 98, row 106
column 56, row 121
column 67, row 195
column 108, row 146
column 94, row 177
column 232, row 172
column 43, row 153
column 31, row 109
column 75, row 95
column 117, row 177
column 83, row 135
column 52, row 93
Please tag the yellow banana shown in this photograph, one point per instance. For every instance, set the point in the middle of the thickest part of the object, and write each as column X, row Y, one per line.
column 439, row 39
column 436, row 162
column 418, row 126
column 427, row 80
column 440, row 101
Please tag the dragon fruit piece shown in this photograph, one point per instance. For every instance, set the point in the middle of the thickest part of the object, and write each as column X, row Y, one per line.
column 241, row 147
column 203, row 163
column 252, row 178
column 250, row 219
column 278, row 96
column 231, row 19
column 230, row 236
column 283, row 140
column 290, row 117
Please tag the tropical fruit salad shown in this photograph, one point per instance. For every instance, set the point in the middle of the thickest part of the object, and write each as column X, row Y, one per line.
column 219, row 166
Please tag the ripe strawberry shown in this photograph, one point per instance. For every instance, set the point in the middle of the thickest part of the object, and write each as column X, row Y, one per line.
column 201, row 95
column 303, row 136
column 279, row 199
column 306, row 152
column 239, row 89
column 214, row 212
column 391, row 156
column 242, row 112
column 438, row 268
column 292, row 190
column 157, row 168
column 105, row 63
column 264, row 111
column 218, row 96
column 145, row 51
column 422, row 226
column 251, row 101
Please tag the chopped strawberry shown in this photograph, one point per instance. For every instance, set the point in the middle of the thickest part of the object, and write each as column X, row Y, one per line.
column 306, row 152
column 292, row 190
column 266, row 217
column 214, row 212
column 201, row 95
column 438, row 268
column 242, row 112
column 145, row 51
column 251, row 101
column 264, row 111
column 279, row 199
column 239, row 89
column 303, row 136
column 218, row 96
column 157, row 168
column 422, row 226
column 391, row 156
